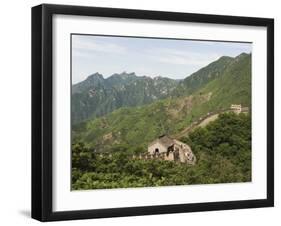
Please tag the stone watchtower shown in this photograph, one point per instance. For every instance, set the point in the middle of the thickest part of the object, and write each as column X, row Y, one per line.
column 172, row 149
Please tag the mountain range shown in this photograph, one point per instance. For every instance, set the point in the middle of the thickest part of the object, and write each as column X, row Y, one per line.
column 97, row 96
column 126, row 109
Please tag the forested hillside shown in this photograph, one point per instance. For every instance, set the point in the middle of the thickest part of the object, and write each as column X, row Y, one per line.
column 223, row 150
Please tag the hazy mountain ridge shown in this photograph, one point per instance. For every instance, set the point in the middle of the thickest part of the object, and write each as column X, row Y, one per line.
column 97, row 96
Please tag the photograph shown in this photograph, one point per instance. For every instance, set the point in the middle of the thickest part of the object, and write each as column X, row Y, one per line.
column 149, row 112
column 145, row 112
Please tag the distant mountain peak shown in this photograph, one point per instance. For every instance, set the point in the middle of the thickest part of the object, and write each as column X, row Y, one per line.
column 225, row 58
column 242, row 55
column 126, row 74
column 95, row 76
column 97, row 96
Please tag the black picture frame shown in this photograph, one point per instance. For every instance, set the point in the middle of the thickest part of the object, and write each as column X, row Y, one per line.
column 42, row 111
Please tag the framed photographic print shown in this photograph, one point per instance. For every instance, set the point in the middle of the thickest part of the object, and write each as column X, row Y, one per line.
column 140, row 112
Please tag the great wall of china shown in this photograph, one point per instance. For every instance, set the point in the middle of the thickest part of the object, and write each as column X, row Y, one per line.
column 164, row 156
column 233, row 108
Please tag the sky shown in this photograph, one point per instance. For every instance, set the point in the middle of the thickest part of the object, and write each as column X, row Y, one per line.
column 170, row 58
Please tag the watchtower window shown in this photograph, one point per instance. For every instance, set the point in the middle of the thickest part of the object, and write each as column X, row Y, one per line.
column 156, row 151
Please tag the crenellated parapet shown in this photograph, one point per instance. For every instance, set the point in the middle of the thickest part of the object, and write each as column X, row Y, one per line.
column 171, row 156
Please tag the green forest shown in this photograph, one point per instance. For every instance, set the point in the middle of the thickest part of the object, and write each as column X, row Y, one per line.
column 222, row 148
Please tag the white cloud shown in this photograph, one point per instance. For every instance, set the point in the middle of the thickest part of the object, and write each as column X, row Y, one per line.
column 84, row 46
column 174, row 56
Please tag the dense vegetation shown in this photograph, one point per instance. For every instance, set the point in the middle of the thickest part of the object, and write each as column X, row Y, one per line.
column 222, row 148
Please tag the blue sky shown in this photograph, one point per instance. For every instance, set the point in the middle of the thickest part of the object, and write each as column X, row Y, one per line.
column 175, row 59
